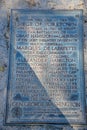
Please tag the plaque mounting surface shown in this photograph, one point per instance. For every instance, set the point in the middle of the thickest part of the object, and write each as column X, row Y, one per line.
column 46, row 79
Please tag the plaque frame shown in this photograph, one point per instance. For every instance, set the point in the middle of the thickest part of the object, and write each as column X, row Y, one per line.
column 81, row 61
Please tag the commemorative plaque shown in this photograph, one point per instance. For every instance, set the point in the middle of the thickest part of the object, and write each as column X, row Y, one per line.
column 46, row 78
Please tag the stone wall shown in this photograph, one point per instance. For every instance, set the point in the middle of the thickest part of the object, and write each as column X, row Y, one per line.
column 5, row 8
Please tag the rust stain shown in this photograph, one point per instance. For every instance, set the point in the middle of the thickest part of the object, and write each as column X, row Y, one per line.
column 2, row 68
column 31, row 2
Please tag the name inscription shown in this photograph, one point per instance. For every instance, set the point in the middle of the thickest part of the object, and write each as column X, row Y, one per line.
column 46, row 83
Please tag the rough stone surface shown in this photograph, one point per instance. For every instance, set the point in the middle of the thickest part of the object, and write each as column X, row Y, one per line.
column 5, row 8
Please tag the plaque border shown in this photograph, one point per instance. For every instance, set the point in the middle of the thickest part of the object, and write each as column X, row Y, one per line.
column 81, row 58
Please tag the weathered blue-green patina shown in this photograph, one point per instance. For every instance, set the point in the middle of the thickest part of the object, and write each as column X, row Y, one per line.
column 46, row 78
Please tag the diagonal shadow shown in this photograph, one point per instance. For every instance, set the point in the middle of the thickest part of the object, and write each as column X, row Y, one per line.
column 29, row 89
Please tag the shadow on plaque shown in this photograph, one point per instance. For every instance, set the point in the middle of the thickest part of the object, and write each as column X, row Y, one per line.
column 39, row 104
